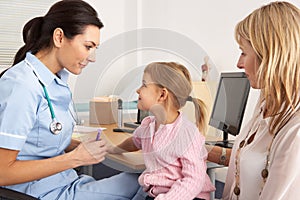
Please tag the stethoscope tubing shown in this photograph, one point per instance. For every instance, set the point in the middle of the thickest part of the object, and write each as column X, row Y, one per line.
column 48, row 100
column 55, row 126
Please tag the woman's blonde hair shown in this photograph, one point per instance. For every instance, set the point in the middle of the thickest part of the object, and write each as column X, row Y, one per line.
column 176, row 78
column 274, row 33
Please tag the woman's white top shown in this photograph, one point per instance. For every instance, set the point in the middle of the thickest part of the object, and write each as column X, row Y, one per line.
column 283, row 181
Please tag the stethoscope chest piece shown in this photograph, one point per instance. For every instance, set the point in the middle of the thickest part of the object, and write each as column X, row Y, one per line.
column 55, row 127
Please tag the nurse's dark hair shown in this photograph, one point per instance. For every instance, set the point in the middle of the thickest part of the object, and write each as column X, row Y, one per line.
column 72, row 16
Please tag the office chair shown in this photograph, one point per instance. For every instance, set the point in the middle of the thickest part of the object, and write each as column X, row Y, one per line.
column 8, row 194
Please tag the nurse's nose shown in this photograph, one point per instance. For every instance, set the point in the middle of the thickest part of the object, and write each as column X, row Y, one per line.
column 92, row 56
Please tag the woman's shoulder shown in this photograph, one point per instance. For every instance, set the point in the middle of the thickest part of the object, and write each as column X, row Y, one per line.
column 290, row 132
column 292, row 125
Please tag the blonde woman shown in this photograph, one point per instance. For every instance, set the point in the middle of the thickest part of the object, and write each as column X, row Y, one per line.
column 173, row 147
column 264, row 162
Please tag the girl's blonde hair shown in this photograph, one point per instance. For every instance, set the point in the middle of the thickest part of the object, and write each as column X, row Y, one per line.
column 176, row 78
column 274, row 33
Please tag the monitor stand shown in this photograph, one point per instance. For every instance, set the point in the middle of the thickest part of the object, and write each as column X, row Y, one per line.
column 225, row 143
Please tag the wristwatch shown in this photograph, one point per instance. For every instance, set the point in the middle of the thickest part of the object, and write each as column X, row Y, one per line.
column 223, row 157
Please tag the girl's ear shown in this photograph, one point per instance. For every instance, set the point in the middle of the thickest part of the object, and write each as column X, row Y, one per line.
column 164, row 94
column 58, row 36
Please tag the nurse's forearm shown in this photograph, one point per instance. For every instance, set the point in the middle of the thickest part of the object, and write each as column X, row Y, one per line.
column 14, row 171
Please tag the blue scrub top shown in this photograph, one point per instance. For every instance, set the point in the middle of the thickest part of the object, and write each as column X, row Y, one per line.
column 25, row 118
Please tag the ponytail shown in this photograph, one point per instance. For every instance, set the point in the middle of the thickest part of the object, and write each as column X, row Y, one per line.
column 31, row 36
column 200, row 115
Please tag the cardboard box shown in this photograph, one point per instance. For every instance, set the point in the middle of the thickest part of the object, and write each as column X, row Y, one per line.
column 103, row 110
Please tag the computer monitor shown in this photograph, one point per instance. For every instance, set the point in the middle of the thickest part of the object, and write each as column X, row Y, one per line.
column 139, row 118
column 229, row 105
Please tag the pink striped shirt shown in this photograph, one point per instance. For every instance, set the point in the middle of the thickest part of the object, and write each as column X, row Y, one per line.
column 175, row 159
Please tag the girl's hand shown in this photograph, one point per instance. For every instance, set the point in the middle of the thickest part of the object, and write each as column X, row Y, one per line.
column 111, row 149
column 114, row 149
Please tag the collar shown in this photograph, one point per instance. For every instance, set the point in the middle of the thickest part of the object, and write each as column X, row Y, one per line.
column 43, row 73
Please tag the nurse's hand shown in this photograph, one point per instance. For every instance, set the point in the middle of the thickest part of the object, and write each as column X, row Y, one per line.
column 90, row 152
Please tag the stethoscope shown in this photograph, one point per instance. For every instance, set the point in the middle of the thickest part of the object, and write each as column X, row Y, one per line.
column 55, row 126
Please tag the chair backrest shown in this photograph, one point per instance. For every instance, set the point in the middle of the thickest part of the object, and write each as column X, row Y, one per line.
column 8, row 194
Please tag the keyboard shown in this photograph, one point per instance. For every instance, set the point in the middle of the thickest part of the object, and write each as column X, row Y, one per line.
column 132, row 124
column 225, row 144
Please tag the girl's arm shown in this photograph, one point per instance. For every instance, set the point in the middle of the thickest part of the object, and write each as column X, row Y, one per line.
column 215, row 153
column 13, row 171
column 126, row 146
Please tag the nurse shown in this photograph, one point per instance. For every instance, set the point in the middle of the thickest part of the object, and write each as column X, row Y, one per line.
column 36, row 150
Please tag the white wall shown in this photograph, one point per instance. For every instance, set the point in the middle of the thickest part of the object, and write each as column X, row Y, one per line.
column 210, row 24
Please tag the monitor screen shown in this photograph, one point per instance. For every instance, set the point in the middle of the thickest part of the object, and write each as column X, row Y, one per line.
column 141, row 114
column 230, row 103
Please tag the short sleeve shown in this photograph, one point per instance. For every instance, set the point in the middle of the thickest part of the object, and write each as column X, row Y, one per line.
column 17, row 112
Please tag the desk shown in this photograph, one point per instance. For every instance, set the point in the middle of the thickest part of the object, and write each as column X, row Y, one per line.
column 129, row 162
column 126, row 162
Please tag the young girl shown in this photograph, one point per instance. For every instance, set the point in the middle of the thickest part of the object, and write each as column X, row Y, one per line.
column 173, row 147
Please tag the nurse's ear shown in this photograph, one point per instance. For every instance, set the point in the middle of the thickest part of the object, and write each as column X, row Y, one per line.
column 58, row 37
